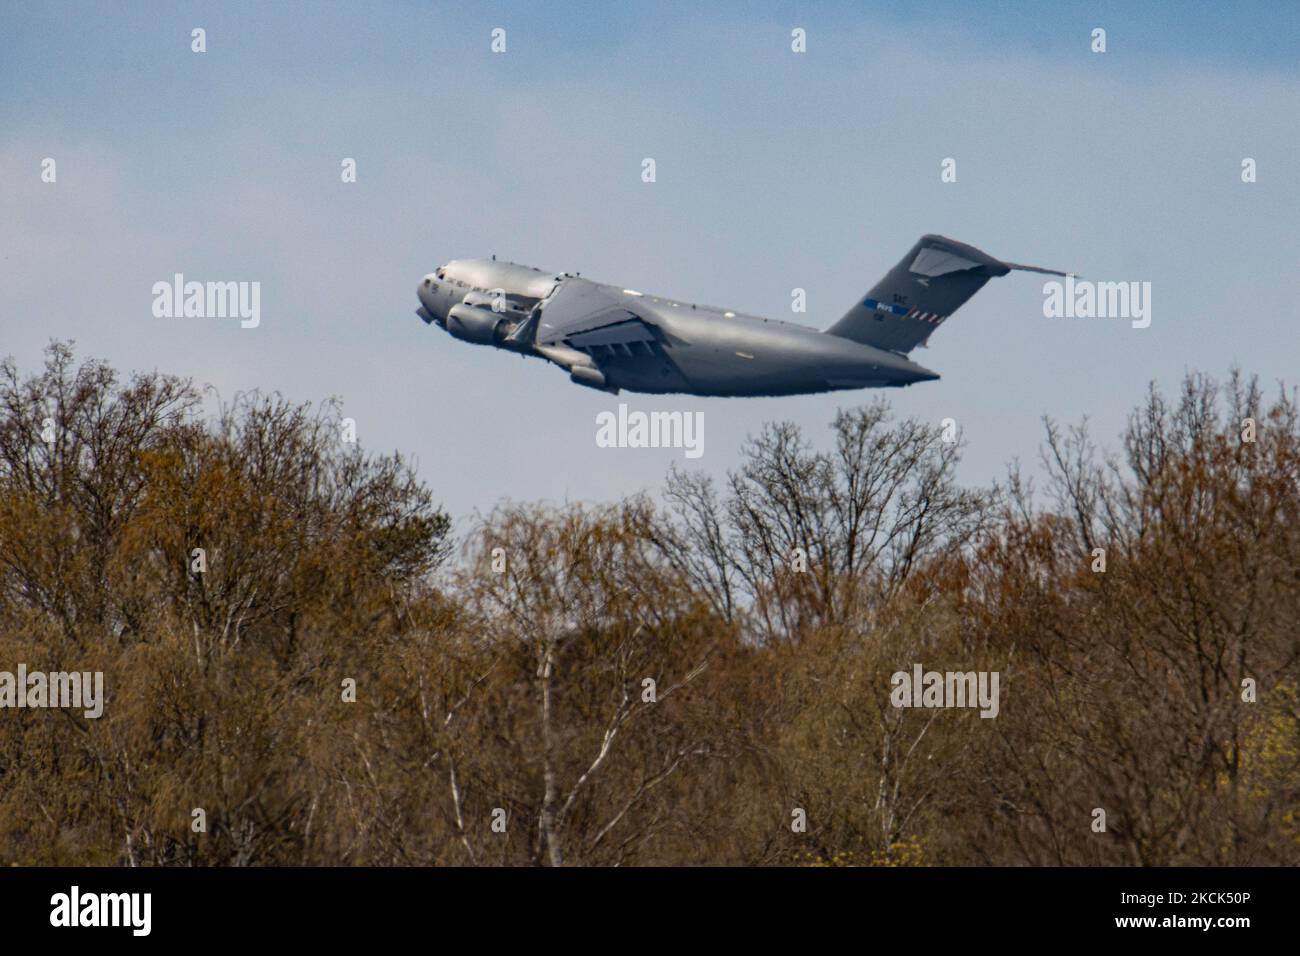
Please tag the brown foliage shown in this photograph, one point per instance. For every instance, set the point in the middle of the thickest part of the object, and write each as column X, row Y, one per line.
column 641, row 685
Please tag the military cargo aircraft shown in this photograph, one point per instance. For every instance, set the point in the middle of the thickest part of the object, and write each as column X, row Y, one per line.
column 610, row 338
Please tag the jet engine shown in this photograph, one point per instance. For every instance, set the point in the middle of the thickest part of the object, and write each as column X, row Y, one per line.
column 473, row 324
column 590, row 377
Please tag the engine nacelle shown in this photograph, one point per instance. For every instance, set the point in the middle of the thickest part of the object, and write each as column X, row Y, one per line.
column 472, row 324
column 590, row 377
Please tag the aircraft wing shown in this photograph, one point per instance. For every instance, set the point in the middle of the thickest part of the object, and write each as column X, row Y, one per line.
column 592, row 317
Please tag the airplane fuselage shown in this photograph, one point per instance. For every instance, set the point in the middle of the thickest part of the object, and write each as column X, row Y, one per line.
column 650, row 343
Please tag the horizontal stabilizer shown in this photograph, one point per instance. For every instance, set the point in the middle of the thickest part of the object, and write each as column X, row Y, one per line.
column 1019, row 268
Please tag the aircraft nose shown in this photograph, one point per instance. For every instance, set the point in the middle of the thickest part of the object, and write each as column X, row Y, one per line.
column 425, row 288
column 428, row 302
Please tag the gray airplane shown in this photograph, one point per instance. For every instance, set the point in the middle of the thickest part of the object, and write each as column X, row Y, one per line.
column 610, row 338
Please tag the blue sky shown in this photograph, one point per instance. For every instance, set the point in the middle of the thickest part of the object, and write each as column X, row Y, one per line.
column 775, row 170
